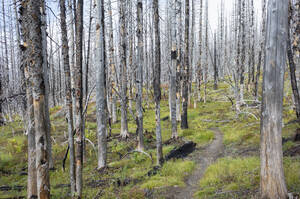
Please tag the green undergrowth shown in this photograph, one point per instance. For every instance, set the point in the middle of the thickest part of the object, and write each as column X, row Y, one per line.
column 237, row 177
column 127, row 176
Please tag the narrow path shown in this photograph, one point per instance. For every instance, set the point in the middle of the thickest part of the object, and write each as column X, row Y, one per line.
column 203, row 159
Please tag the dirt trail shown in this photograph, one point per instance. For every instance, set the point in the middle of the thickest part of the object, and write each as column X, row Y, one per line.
column 203, row 159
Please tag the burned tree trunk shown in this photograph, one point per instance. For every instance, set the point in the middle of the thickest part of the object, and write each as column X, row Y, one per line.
column 292, row 65
column 156, row 82
column 185, row 89
column 77, row 94
column 68, row 97
column 261, row 54
column 173, row 70
column 32, row 178
column 35, row 55
column 272, row 181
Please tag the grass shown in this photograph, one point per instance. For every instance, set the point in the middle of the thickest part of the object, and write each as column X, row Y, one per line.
column 232, row 177
column 226, row 175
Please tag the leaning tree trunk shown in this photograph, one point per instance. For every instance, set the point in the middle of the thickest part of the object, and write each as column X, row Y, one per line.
column 156, row 82
column 272, row 181
column 185, row 88
column 35, row 54
column 139, row 76
column 77, row 94
column 101, row 89
column 68, row 95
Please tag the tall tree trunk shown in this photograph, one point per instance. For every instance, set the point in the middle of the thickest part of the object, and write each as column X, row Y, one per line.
column 272, row 181
column 35, row 55
column 139, row 76
column 199, row 69
column 292, row 65
column 112, row 66
column 215, row 64
column 101, row 89
column 68, row 95
column 156, row 82
column 123, row 67
column 32, row 178
column 46, row 82
column 77, row 72
column 179, row 61
column 173, row 70
column 185, row 91
column 261, row 55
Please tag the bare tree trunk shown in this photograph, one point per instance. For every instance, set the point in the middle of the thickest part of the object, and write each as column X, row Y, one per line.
column 37, row 81
column 112, row 66
column 205, row 70
column 32, row 177
column 46, row 82
column 292, row 65
column 215, row 64
column 123, row 67
column 199, row 69
column 101, row 89
column 272, row 181
column 261, row 55
column 77, row 72
column 173, row 70
column 156, row 82
column 68, row 95
column 185, row 91
column 139, row 76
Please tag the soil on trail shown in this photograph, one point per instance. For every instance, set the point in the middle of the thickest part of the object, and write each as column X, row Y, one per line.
column 203, row 158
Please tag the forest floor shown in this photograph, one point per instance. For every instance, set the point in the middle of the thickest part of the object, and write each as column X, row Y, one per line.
column 203, row 158
column 225, row 163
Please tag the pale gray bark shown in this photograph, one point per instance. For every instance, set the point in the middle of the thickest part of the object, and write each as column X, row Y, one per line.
column 272, row 182
column 139, row 76
column 173, row 55
column 101, row 89
column 123, row 67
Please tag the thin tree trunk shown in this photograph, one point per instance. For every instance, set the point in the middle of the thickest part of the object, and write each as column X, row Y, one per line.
column 139, row 76
column 77, row 72
column 68, row 95
column 112, row 66
column 123, row 67
column 261, row 55
column 272, row 181
column 46, row 82
column 156, row 82
column 173, row 70
column 101, row 89
column 185, row 91
column 292, row 65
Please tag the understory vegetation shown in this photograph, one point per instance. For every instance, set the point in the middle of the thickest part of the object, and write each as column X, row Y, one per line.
column 132, row 174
